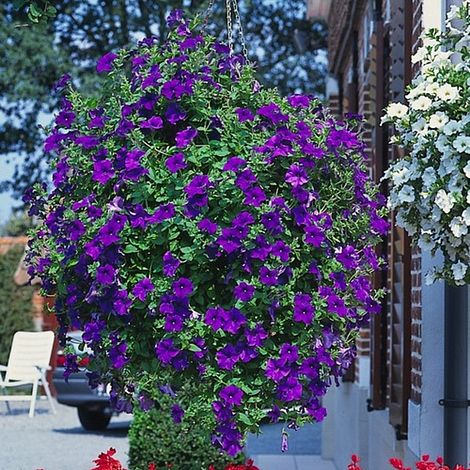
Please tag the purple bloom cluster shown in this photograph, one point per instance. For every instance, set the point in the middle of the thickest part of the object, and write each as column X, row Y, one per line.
column 201, row 230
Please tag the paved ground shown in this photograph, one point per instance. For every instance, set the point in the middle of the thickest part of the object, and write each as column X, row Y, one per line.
column 47, row 441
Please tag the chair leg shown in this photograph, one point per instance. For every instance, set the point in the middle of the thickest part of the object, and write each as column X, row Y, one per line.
column 48, row 393
column 4, row 392
column 33, row 398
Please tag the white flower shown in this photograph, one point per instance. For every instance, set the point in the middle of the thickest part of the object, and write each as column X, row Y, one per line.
column 451, row 127
column 438, row 120
column 397, row 110
column 423, row 103
column 406, row 194
column 432, row 88
column 458, row 227
column 401, row 222
column 444, row 201
column 430, row 277
column 419, row 56
column 459, row 270
column 466, row 215
column 462, row 144
column 466, row 170
column 425, row 242
column 447, row 92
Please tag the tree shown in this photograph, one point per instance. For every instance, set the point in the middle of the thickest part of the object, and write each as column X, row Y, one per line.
column 73, row 34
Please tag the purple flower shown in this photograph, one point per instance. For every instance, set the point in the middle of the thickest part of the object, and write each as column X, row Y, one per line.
column 62, row 82
column 170, row 264
column 173, row 323
column 122, row 304
column 273, row 113
column 303, row 309
column 76, row 230
column 143, row 288
column 314, row 235
column 197, row 186
column 175, row 113
column 296, row 176
column 256, row 336
column 87, row 141
column 281, row 250
column 173, row 89
column 244, row 114
column 166, row 351
column 336, row 305
column 65, row 118
column 379, row 224
column 244, row 292
column 227, row 357
column 246, row 179
column 229, row 241
column 272, row 222
column 208, row 226
column 184, row 138
column 242, row 219
column 176, row 162
column 164, row 212
column 290, row 390
column 289, row 353
column 254, row 196
column 234, row 164
column 106, row 274
column 277, row 370
column 182, row 287
column 268, row 277
column 154, row 123
column 348, row 257
column 145, row 402
column 117, row 355
column 103, row 171
column 310, row 368
column 177, row 413
column 105, row 62
column 299, row 101
column 215, row 317
column 231, row 395
column 234, row 321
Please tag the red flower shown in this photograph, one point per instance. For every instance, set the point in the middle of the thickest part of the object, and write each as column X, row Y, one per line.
column 105, row 461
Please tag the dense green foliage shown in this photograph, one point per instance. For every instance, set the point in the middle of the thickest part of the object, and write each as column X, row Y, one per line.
column 153, row 437
column 15, row 307
column 39, row 53
column 18, row 224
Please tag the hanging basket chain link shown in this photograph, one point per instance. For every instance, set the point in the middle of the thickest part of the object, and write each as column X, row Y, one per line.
column 207, row 14
column 240, row 29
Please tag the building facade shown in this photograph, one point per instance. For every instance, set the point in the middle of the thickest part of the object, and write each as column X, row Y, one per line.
column 388, row 405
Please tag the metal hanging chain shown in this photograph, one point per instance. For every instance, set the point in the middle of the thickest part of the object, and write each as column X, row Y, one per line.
column 207, row 14
column 233, row 12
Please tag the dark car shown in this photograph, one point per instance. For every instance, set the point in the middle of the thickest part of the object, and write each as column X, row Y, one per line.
column 94, row 410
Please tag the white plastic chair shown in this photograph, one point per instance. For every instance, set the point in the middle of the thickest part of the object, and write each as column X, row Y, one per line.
column 28, row 362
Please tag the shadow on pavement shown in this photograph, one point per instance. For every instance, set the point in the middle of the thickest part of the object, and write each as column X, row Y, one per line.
column 113, row 430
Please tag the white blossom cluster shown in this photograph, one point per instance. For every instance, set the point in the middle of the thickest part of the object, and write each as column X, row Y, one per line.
column 430, row 186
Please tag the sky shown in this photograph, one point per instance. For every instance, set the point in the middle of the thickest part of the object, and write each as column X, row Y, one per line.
column 6, row 201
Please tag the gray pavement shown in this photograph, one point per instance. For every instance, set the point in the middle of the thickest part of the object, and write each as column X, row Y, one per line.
column 58, row 442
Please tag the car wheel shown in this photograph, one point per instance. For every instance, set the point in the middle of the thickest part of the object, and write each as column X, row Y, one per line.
column 93, row 419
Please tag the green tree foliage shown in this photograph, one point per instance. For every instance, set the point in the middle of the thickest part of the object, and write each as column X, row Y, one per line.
column 15, row 307
column 40, row 44
column 18, row 224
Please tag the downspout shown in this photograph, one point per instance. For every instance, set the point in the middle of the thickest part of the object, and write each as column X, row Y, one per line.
column 455, row 400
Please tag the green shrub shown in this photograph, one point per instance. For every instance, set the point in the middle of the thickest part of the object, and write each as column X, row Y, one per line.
column 154, row 437
column 15, row 305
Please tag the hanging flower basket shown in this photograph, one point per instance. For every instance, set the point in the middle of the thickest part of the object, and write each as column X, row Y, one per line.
column 429, row 187
column 203, row 229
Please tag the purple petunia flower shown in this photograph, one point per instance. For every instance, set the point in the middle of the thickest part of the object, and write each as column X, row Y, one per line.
column 289, row 353
column 177, row 413
column 254, row 196
column 234, row 321
column 103, row 171
column 122, row 304
column 348, row 257
column 105, row 62
column 106, row 274
column 65, row 118
column 185, row 137
column 154, row 123
column 166, row 351
column 336, row 305
column 296, row 176
column 232, row 395
column 244, row 292
column 87, row 141
column 277, row 370
column 272, row 222
column 164, row 212
column 227, row 357
column 314, row 235
column 143, row 288
column 273, row 113
column 176, row 162
column 117, row 355
column 268, row 277
column 234, row 164
column 175, row 113
column 299, row 101
column 170, row 264
column 215, row 317
column 145, row 402
column 182, row 287
column 256, row 336
column 173, row 323
column 281, row 250
column 244, row 114
column 303, row 309
column 76, row 230
column 290, row 390
column 208, row 226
